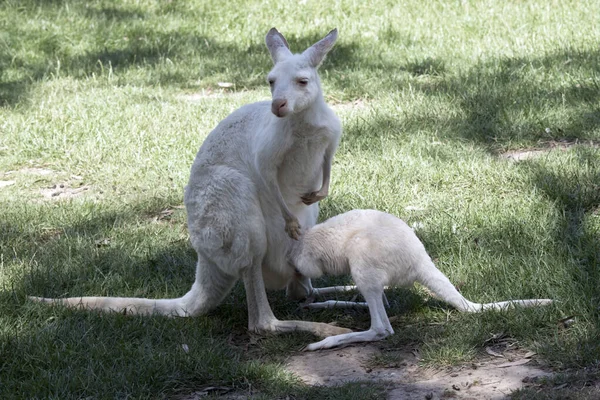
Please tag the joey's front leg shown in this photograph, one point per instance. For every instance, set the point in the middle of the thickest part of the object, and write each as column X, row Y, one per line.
column 313, row 197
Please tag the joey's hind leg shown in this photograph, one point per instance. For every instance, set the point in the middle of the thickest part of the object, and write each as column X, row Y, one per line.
column 314, row 197
column 380, row 325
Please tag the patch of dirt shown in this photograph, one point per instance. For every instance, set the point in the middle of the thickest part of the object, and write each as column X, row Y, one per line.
column 358, row 104
column 222, row 392
column 208, row 93
column 165, row 215
column 63, row 191
column 50, row 234
column 488, row 378
column 562, row 145
column 6, row 183
column 69, row 188
column 37, row 171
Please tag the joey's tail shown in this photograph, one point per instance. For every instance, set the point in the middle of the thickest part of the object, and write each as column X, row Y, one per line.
column 438, row 283
column 207, row 292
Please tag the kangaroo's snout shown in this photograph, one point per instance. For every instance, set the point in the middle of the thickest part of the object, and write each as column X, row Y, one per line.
column 279, row 107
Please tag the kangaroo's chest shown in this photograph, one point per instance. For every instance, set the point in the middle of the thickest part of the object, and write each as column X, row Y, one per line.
column 302, row 167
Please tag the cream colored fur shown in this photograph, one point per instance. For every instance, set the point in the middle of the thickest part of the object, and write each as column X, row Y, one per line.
column 377, row 249
column 258, row 175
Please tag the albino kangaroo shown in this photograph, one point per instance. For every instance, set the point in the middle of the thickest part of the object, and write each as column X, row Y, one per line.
column 378, row 249
column 259, row 174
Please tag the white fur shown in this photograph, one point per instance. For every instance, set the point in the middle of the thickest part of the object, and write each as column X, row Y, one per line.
column 259, row 174
column 377, row 249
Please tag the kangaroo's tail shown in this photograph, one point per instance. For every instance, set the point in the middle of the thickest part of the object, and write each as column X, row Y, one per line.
column 125, row 305
column 209, row 289
column 438, row 283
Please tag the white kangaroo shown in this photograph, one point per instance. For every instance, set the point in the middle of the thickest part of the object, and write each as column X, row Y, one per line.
column 377, row 249
column 258, row 174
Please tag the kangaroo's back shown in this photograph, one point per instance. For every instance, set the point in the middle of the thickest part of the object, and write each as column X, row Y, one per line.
column 230, row 142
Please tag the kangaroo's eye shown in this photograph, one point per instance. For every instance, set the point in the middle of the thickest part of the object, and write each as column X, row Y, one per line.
column 271, row 82
column 302, row 81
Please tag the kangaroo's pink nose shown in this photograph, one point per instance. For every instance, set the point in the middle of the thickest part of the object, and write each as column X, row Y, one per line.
column 279, row 107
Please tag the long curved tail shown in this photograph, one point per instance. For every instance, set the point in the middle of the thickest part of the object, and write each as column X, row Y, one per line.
column 207, row 292
column 438, row 283
column 125, row 305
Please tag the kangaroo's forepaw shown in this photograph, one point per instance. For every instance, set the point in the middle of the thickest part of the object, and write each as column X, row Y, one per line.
column 293, row 229
column 312, row 198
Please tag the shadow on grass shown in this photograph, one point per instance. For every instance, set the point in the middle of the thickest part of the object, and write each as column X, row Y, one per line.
column 504, row 101
column 68, row 352
column 516, row 102
column 63, row 353
column 70, row 257
column 153, row 56
column 498, row 103
column 577, row 194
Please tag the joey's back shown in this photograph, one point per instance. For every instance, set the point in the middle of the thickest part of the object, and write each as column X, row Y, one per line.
column 383, row 243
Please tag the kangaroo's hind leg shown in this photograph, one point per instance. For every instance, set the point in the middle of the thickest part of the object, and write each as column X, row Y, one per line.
column 337, row 303
column 261, row 317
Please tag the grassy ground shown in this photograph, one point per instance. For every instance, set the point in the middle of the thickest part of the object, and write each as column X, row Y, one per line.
column 111, row 100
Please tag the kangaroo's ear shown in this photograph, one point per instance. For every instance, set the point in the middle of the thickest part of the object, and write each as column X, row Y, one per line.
column 317, row 52
column 277, row 45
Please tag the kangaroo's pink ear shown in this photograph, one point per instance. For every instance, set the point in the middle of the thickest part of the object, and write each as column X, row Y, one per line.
column 277, row 45
column 317, row 52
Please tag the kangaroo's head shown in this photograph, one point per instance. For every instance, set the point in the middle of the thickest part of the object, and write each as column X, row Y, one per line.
column 294, row 80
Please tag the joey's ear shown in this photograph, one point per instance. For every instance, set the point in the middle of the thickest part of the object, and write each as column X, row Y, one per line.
column 277, row 45
column 317, row 52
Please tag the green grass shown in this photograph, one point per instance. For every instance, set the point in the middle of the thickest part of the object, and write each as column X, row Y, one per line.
column 430, row 94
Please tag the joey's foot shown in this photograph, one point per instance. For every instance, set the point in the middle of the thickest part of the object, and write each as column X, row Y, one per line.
column 326, row 343
column 312, row 198
column 293, row 229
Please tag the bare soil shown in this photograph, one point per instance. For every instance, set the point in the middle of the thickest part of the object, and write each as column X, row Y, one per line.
column 555, row 145
column 63, row 191
column 489, row 377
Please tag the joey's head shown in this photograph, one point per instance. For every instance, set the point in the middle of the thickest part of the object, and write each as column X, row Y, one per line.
column 304, row 257
column 294, row 81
